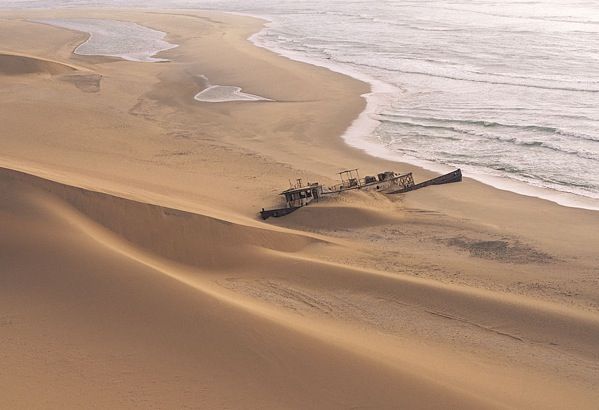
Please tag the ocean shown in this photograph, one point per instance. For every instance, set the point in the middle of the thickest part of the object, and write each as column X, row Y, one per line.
column 506, row 90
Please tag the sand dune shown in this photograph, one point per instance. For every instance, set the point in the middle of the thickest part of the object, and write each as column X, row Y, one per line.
column 12, row 64
column 110, row 303
column 136, row 273
column 102, row 267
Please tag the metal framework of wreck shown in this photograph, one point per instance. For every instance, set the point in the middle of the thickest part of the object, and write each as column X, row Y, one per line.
column 350, row 179
column 296, row 197
column 388, row 182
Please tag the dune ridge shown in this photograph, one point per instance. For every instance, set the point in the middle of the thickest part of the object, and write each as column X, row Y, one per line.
column 26, row 67
column 15, row 64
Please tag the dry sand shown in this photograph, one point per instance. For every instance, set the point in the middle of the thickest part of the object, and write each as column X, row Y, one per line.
column 135, row 273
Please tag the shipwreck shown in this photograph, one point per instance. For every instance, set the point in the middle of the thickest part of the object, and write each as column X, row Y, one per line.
column 388, row 182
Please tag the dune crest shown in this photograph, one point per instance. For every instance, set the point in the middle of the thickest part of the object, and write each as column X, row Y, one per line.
column 14, row 64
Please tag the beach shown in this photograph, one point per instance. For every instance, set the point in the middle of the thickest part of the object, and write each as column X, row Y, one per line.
column 136, row 272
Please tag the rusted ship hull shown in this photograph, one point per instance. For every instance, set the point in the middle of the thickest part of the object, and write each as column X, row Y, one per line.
column 454, row 176
column 265, row 214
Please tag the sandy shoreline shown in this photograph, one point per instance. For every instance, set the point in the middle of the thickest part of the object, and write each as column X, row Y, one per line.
column 147, row 279
column 364, row 125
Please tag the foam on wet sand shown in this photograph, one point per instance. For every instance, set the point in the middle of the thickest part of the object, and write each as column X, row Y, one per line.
column 114, row 38
column 226, row 93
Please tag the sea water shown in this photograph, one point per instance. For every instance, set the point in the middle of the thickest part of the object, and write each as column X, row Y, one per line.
column 506, row 90
column 114, row 38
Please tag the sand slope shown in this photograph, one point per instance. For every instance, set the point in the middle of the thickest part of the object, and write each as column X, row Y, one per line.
column 99, row 289
column 111, row 299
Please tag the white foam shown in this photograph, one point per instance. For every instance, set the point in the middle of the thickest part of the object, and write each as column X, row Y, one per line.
column 226, row 93
column 114, row 38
